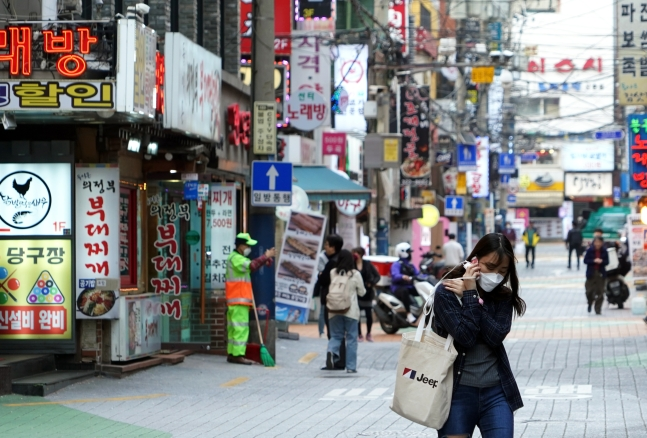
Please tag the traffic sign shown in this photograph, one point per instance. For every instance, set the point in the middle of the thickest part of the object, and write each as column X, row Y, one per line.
column 271, row 183
column 610, row 135
column 454, row 205
column 512, row 199
column 467, row 157
column 506, row 164
column 190, row 190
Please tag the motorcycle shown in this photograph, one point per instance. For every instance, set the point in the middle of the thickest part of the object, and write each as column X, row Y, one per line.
column 392, row 314
column 617, row 291
column 433, row 265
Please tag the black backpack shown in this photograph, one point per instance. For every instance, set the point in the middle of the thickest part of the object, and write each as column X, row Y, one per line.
column 576, row 238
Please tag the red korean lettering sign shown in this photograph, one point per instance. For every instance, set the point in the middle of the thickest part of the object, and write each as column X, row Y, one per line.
column 399, row 21
column 565, row 65
column 98, row 273
column 637, row 136
column 67, row 46
column 334, row 143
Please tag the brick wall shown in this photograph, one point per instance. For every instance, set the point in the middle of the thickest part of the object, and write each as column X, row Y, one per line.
column 159, row 18
column 189, row 19
column 214, row 329
column 211, row 25
column 231, row 57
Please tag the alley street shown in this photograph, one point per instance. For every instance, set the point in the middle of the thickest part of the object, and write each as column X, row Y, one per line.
column 581, row 375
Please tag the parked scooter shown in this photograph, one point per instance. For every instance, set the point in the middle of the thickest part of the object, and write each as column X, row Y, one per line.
column 617, row 290
column 433, row 265
column 392, row 314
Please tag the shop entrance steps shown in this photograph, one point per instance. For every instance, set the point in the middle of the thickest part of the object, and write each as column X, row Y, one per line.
column 46, row 383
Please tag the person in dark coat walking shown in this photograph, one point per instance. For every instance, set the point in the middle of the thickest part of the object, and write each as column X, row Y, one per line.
column 574, row 243
column 596, row 259
column 371, row 277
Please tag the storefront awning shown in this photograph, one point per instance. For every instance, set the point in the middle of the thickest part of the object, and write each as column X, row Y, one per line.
column 539, row 199
column 323, row 184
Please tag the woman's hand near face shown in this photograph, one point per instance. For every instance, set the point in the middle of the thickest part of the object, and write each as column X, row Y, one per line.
column 456, row 286
column 473, row 271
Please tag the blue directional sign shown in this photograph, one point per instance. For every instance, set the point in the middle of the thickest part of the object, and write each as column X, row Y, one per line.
column 271, row 183
column 512, row 199
column 467, row 157
column 609, row 135
column 506, row 164
column 505, row 179
column 454, row 205
column 617, row 194
column 191, row 190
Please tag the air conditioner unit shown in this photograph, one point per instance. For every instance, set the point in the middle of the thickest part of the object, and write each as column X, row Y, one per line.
column 70, row 6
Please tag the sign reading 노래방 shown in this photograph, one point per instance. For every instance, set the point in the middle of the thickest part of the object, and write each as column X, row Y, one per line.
column 415, row 169
column 223, row 230
column 35, row 199
column 296, row 272
column 36, row 298
column 98, row 275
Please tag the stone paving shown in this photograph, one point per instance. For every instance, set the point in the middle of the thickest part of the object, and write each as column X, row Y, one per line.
column 581, row 375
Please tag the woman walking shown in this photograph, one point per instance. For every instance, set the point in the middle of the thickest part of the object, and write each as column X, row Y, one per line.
column 596, row 260
column 370, row 277
column 344, row 325
column 476, row 306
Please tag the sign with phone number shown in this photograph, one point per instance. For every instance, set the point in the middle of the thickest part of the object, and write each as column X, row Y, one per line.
column 57, row 95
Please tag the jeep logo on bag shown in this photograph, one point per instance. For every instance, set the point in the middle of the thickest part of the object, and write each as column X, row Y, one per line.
column 408, row 372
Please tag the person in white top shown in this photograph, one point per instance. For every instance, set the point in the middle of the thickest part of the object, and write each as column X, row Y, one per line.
column 453, row 252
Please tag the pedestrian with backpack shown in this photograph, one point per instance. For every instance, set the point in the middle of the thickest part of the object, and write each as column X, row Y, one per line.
column 574, row 243
column 346, row 284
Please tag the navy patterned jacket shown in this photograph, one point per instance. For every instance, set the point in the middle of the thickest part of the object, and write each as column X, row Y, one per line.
column 491, row 322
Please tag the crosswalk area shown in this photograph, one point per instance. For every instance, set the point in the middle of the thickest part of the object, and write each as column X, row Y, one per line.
column 358, row 394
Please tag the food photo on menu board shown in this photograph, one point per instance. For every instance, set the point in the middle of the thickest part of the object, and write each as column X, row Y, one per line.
column 296, row 272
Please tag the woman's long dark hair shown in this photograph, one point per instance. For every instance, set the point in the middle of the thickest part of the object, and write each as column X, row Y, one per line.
column 499, row 245
column 345, row 261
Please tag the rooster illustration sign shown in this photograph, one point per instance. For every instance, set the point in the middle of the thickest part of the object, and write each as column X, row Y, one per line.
column 25, row 199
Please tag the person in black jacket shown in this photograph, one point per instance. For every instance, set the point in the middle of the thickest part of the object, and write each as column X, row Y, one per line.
column 371, row 277
column 596, row 259
column 574, row 243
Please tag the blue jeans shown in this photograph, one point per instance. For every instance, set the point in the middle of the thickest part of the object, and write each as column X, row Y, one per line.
column 341, row 326
column 486, row 408
column 321, row 320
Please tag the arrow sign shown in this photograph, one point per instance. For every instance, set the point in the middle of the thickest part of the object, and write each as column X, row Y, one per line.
column 272, row 174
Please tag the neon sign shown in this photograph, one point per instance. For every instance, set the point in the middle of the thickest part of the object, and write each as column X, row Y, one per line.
column 18, row 42
column 159, row 82
column 239, row 123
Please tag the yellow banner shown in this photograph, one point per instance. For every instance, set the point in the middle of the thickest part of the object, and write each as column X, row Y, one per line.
column 461, row 184
column 36, row 299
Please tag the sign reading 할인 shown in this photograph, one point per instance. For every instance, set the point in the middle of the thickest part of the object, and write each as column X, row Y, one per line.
column 271, row 183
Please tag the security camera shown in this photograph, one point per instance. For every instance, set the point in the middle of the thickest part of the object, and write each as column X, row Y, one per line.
column 507, row 55
column 98, row 2
column 142, row 8
column 495, row 55
column 9, row 121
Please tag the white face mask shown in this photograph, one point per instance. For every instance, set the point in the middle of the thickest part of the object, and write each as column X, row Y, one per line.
column 247, row 252
column 489, row 281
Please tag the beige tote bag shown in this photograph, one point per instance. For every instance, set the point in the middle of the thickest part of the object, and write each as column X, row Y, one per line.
column 425, row 378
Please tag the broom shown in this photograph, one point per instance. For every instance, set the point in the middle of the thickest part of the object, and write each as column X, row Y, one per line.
column 265, row 355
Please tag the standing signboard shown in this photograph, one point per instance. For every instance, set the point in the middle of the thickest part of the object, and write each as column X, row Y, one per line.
column 637, row 235
column 193, row 88
column 309, row 71
column 98, row 276
column 138, row 333
column 351, row 73
column 223, row 230
column 415, row 169
column 478, row 181
column 264, row 128
column 296, row 272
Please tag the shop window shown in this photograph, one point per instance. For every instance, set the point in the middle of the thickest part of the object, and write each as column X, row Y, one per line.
column 548, row 106
column 128, row 237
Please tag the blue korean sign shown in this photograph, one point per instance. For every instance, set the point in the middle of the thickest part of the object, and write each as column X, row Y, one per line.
column 616, row 194
column 512, row 199
column 191, row 190
column 506, row 164
column 609, row 135
column 528, row 157
column 271, row 183
column 637, row 136
column 454, row 205
column 467, row 157
column 505, row 179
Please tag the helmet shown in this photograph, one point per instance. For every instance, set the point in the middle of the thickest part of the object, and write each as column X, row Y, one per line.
column 403, row 250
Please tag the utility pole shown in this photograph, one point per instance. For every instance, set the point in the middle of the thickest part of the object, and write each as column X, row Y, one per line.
column 262, row 220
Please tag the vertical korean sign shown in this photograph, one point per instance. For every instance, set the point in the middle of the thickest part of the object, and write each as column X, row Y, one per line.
column 97, row 241
column 296, row 273
column 351, row 72
column 414, row 125
column 36, row 298
column 310, row 71
column 264, row 128
column 632, row 42
column 637, row 236
column 478, row 181
column 637, row 141
column 223, row 230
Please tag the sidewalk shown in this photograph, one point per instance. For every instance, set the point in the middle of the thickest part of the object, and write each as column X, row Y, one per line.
column 580, row 375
